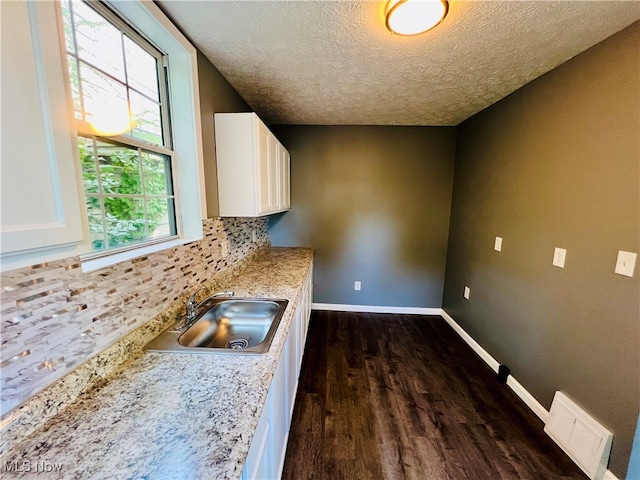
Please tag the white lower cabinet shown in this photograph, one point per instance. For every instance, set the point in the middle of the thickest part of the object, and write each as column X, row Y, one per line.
column 279, row 412
column 269, row 447
column 258, row 463
column 293, row 368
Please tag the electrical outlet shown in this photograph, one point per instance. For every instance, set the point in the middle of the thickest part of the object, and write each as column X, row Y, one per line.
column 225, row 249
column 254, row 235
column 626, row 263
column 467, row 292
column 497, row 245
column 559, row 256
column 357, row 286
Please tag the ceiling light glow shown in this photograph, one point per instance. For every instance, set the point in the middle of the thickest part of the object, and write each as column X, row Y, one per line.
column 108, row 116
column 413, row 17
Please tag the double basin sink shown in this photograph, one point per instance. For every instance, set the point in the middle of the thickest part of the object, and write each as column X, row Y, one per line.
column 226, row 325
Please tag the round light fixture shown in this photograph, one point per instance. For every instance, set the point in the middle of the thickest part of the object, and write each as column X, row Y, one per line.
column 413, row 17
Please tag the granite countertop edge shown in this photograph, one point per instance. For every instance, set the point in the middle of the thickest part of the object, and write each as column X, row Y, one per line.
column 170, row 415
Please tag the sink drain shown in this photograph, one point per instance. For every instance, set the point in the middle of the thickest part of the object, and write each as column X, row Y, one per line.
column 237, row 344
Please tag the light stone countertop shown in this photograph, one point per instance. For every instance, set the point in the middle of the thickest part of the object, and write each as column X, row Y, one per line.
column 171, row 416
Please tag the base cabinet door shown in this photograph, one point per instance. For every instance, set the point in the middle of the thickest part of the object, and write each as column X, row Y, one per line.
column 293, row 370
column 279, row 413
column 258, row 463
column 307, row 299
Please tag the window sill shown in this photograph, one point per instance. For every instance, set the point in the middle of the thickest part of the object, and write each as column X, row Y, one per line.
column 91, row 263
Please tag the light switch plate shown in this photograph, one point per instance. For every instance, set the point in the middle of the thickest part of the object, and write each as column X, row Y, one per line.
column 357, row 286
column 626, row 263
column 497, row 246
column 467, row 292
column 559, row 256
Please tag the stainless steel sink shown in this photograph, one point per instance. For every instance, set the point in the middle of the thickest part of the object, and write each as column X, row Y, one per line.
column 226, row 325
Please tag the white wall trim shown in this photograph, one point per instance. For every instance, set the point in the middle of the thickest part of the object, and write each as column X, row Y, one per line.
column 529, row 400
column 475, row 346
column 609, row 476
column 338, row 307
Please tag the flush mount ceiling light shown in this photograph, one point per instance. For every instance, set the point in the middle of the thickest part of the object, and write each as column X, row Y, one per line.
column 413, row 17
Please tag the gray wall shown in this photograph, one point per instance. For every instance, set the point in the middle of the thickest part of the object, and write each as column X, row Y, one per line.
column 374, row 203
column 556, row 164
column 216, row 95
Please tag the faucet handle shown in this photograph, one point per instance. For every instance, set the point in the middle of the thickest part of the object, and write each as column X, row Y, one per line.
column 226, row 293
column 192, row 307
column 192, row 298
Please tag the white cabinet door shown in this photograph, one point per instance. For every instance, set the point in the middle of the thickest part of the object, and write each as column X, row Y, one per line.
column 274, row 173
column 279, row 412
column 286, row 179
column 284, row 186
column 263, row 165
column 294, row 366
column 259, row 462
column 251, row 175
column 307, row 301
column 42, row 213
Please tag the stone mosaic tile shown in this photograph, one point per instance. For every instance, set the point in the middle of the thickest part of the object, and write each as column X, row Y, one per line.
column 53, row 318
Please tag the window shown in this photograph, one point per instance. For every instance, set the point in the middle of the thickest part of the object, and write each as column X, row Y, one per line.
column 120, row 96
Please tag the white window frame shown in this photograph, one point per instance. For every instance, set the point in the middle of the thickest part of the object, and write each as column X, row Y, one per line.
column 184, row 98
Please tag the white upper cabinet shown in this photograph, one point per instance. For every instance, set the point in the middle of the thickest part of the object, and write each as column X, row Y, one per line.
column 253, row 167
column 284, row 187
column 42, row 209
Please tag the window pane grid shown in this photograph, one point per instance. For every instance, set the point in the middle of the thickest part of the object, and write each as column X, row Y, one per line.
column 78, row 90
column 113, row 78
column 74, row 67
column 139, row 214
column 127, row 178
column 151, row 124
column 103, row 218
column 133, row 195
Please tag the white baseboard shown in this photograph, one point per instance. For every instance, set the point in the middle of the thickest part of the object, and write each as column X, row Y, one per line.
column 609, row 476
column 535, row 406
column 338, row 307
column 475, row 346
column 528, row 399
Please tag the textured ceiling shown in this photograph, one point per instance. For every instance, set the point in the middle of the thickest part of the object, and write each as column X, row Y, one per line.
column 334, row 62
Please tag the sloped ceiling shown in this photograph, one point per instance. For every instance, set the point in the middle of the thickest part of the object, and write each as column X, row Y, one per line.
column 334, row 62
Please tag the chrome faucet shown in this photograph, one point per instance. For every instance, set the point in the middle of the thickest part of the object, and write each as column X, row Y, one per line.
column 193, row 305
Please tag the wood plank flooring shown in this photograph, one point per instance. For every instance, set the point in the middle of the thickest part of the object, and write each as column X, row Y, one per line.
column 403, row 397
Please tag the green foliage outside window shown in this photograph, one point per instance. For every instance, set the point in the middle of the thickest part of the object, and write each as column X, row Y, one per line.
column 129, row 191
column 144, row 176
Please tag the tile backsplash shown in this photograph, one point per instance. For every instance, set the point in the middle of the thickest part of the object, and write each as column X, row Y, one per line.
column 54, row 317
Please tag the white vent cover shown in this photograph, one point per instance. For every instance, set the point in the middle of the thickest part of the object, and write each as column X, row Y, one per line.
column 581, row 437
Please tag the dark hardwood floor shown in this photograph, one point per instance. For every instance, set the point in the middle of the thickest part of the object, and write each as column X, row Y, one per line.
column 402, row 396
